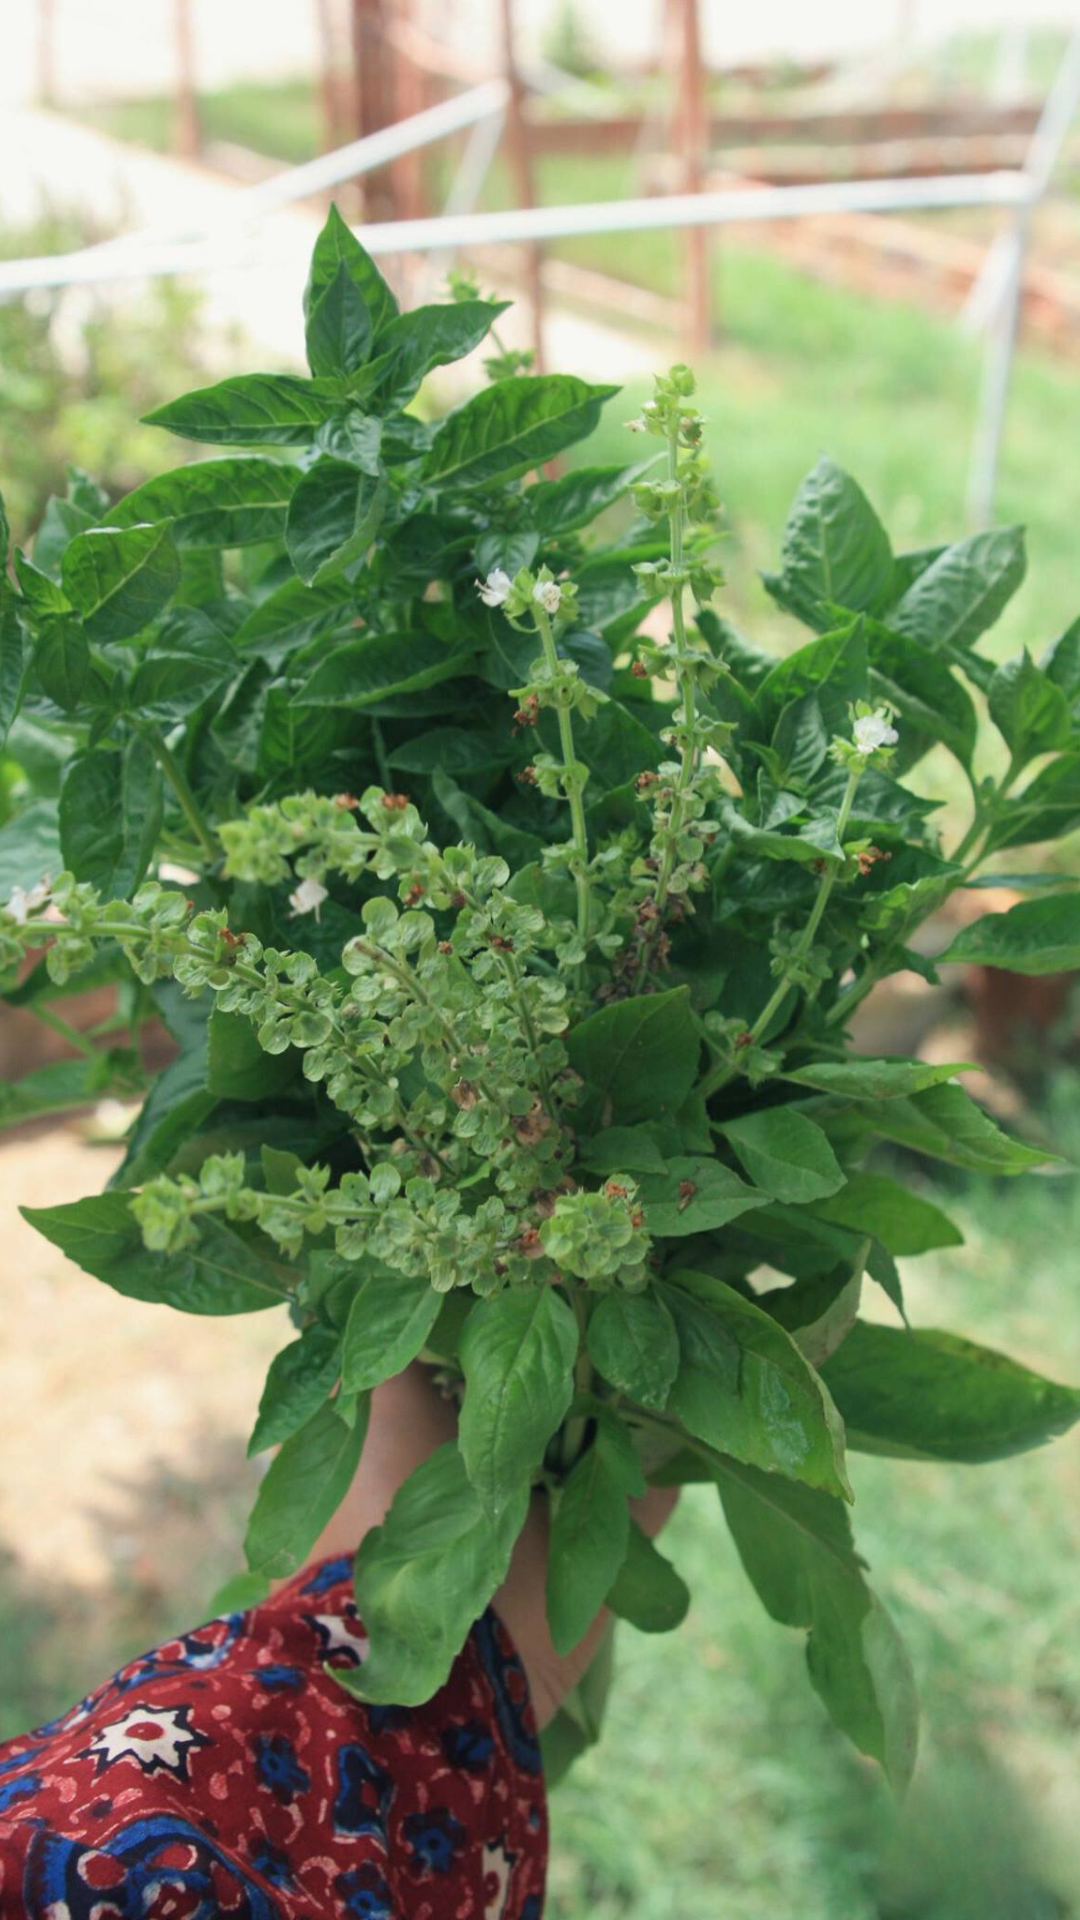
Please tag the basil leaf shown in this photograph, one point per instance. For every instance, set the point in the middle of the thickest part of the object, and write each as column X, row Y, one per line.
column 389, row 1321
column 632, row 1342
column 303, row 1489
column 424, row 1577
column 301, row 1377
column 786, row 1154
column 517, row 1353
column 510, row 426
column 647, row 1591
column 221, row 1275
column 797, row 1549
column 923, row 1395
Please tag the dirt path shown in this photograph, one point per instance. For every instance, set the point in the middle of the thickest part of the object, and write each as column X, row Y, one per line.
column 101, row 1394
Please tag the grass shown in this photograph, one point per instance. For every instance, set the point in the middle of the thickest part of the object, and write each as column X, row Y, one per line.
column 278, row 118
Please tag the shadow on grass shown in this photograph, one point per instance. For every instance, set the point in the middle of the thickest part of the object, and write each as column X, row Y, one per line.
column 178, row 1540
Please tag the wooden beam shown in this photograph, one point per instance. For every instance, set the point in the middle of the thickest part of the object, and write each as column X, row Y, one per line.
column 187, row 135
column 329, row 78
column 692, row 134
column 520, row 157
column 373, row 105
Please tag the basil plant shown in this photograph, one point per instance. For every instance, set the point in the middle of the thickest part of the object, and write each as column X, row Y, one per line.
column 508, row 910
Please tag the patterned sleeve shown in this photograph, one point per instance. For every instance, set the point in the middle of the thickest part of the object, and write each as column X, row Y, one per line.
column 227, row 1773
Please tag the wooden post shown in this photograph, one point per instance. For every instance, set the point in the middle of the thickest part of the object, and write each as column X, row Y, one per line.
column 373, row 99
column 410, row 97
column 45, row 52
column 692, row 130
column 517, row 139
column 329, row 98
column 187, row 138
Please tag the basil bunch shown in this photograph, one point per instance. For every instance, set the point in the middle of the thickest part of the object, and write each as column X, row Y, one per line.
column 509, row 952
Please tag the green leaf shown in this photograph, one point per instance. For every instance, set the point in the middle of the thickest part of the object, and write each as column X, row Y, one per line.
column 62, row 662
column 1037, row 936
column 252, row 409
column 117, row 579
column 622, row 1149
column 389, row 1321
column 221, row 1275
column 334, row 516
column 933, row 1396
column 590, row 1529
column 362, row 673
column 511, row 426
column 429, row 337
column 648, row 1592
column 578, row 1724
column 175, row 1108
column 337, row 247
column 517, row 1354
column 13, row 661
column 237, row 1068
column 695, row 1195
column 1029, row 711
column 745, row 1389
column 834, row 549
column 640, row 1056
column 338, row 330
column 632, row 1342
column 834, row 668
column 963, row 591
column 301, row 1378
column 40, row 591
column 29, row 847
column 453, row 750
column 786, row 1154
column 862, row 1078
column 58, row 1088
column 946, row 1123
column 1048, row 807
column 923, row 689
column 292, row 616
column 110, row 815
column 214, row 503
column 797, row 1550
column 903, row 1221
column 424, row 1577
column 186, row 663
column 574, row 500
column 304, row 1487
column 818, row 1312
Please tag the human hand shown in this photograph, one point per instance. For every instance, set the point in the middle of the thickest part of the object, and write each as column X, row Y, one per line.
column 410, row 1418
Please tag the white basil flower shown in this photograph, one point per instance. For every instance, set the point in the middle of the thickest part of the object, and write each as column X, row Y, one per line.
column 872, row 730
column 495, row 590
column 26, row 900
column 308, row 897
column 547, row 594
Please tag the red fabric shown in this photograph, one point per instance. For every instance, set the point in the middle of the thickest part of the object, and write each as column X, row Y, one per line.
column 227, row 1773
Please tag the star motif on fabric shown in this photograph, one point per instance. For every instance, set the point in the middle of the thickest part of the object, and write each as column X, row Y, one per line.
column 158, row 1739
column 339, row 1634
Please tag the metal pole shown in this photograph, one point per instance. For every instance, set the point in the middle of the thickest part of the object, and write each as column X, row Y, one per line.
column 154, row 255
column 1057, row 116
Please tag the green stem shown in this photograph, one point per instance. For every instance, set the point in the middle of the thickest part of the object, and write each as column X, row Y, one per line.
column 685, row 680
column 722, row 1073
column 189, row 806
column 574, row 1431
column 67, row 1032
column 578, row 830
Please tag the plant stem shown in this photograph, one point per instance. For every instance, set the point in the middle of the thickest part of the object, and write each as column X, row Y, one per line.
column 721, row 1075
column 189, row 806
column 685, row 679
column 578, row 830
column 74, row 1038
